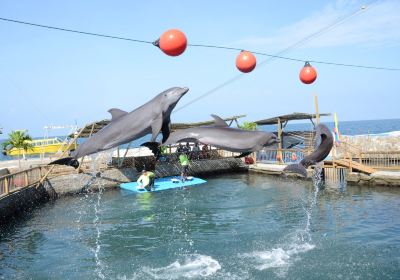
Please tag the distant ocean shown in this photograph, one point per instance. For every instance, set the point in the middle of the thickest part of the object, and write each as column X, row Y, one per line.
column 345, row 128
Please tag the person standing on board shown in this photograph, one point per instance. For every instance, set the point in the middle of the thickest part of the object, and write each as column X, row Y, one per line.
column 184, row 160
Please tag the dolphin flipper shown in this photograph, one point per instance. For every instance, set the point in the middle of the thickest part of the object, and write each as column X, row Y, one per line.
column 243, row 155
column 166, row 130
column 66, row 161
column 156, row 128
column 296, row 168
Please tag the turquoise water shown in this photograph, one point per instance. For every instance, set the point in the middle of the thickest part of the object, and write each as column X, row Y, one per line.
column 243, row 226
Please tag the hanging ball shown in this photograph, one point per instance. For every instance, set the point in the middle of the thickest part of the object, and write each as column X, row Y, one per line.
column 246, row 62
column 172, row 42
column 308, row 74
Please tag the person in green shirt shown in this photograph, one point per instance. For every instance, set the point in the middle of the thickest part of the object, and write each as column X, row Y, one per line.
column 184, row 160
column 146, row 180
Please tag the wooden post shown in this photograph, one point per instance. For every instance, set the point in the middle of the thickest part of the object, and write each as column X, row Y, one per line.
column 6, row 185
column 280, row 140
column 26, row 178
column 316, row 109
column 126, row 152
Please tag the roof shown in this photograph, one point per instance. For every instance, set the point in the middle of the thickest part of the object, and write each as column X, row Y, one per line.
column 290, row 117
column 94, row 127
column 176, row 126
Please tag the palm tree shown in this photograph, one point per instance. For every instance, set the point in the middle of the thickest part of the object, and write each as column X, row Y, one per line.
column 19, row 140
column 248, row 126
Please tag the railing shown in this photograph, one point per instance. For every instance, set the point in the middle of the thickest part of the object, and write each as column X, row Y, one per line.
column 381, row 159
column 19, row 180
column 375, row 159
column 268, row 155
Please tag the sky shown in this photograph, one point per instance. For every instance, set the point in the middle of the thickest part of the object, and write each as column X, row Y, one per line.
column 53, row 77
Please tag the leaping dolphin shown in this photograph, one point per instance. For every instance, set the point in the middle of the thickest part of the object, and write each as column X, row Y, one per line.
column 221, row 136
column 124, row 127
column 325, row 139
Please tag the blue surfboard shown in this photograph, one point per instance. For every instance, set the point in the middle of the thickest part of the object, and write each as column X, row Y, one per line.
column 163, row 184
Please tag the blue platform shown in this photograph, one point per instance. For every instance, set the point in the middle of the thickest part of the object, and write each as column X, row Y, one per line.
column 163, row 184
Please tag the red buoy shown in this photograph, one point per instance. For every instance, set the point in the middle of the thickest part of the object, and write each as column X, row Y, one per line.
column 308, row 74
column 172, row 42
column 246, row 62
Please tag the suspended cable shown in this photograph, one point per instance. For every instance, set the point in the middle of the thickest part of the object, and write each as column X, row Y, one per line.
column 277, row 56
column 314, row 35
column 76, row 31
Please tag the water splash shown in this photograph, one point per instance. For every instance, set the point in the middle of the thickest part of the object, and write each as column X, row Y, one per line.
column 192, row 266
column 97, row 224
column 281, row 257
column 97, row 221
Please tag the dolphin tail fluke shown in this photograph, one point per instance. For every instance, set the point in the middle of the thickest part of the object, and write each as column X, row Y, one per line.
column 67, row 161
column 297, row 169
column 154, row 147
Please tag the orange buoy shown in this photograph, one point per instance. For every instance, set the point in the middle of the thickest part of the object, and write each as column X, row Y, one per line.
column 246, row 61
column 294, row 157
column 278, row 157
column 172, row 42
column 308, row 74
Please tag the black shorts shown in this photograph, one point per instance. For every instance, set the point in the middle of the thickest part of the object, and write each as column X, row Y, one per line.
column 185, row 168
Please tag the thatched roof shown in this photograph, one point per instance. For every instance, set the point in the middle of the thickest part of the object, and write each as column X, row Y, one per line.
column 94, row 127
column 289, row 117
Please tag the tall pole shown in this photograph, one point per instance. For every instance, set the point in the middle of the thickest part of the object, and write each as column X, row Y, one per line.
column 279, row 154
column 316, row 109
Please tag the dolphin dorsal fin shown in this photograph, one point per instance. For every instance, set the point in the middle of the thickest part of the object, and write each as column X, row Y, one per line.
column 218, row 121
column 116, row 113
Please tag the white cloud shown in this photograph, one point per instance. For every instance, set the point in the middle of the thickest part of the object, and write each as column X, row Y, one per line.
column 377, row 25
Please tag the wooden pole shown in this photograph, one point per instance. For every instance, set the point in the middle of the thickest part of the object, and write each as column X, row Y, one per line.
column 26, row 178
column 126, row 152
column 280, row 140
column 118, row 155
column 316, row 109
column 6, row 189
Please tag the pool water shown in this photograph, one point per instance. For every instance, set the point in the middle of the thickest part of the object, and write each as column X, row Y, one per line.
column 241, row 226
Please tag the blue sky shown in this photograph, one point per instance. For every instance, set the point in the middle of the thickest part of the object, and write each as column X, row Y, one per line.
column 52, row 77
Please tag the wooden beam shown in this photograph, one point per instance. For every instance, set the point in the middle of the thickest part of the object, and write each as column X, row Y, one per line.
column 64, row 153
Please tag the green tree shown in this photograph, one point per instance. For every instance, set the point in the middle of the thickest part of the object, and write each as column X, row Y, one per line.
column 19, row 140
column 248, row 126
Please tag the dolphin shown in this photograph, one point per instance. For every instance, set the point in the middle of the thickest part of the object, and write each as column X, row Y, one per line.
column 325, row 143
column 221, row 136
column 124, row 127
